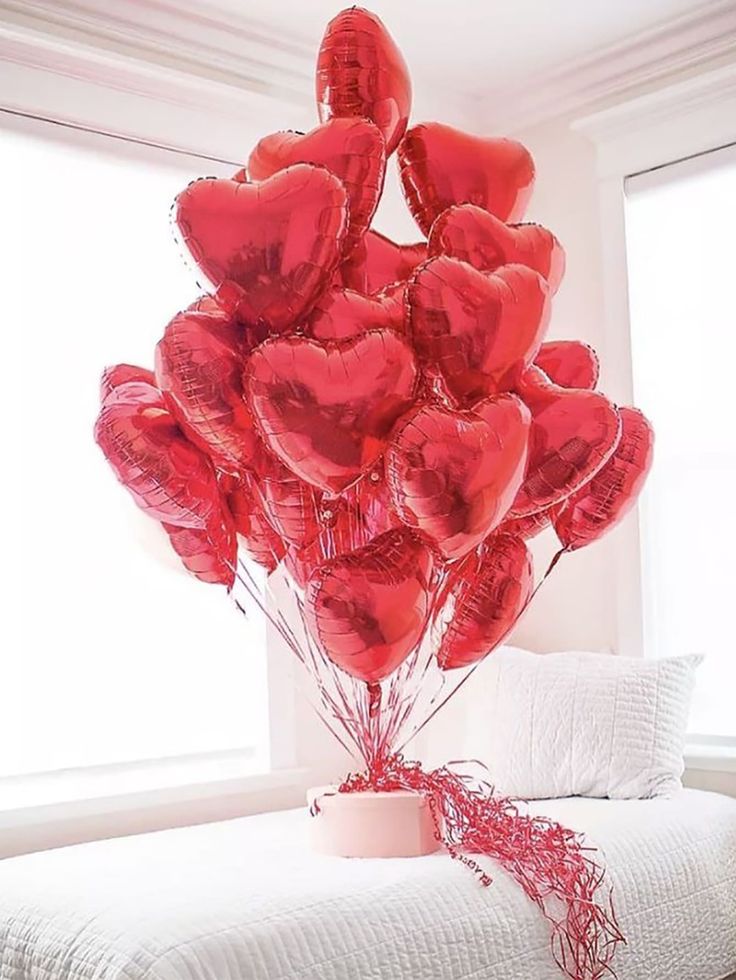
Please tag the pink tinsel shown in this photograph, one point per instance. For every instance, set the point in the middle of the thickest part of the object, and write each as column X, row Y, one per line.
column 551, row 863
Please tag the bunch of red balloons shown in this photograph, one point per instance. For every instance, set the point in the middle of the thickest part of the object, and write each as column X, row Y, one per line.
column 386, row 420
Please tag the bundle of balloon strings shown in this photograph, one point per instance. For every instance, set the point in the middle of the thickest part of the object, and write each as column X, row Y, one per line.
column 551, row 863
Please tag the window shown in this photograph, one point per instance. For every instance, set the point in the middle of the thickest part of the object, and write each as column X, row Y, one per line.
column 111, row 652
column 680, row 228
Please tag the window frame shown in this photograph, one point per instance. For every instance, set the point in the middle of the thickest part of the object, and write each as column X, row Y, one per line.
column 684, row 120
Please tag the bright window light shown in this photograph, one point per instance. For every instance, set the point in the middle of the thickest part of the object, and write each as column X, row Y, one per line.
column 680, row 230
column 111, row 652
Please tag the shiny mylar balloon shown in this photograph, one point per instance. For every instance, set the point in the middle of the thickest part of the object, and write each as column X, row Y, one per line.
column 454, row 475
column 199, row 368
column 361, row 72
column 479, row 331
column 169, row 478
column 530, row 525
column 483, row 597
column 352, row 149
column 569, row 363
column 573, row 434
column 210, row 555
column 291, row 505
column 478, row 237
column 606, row 499
column 343, row 313
column 368, row 609
column 119, row 374
column 327, row 410
column 378, row 262
column 279, row 240
column 259, row 539
column 441, row 166
column 370, row 498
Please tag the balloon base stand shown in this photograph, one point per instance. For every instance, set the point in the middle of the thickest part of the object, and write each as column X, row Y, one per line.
column 371, row 824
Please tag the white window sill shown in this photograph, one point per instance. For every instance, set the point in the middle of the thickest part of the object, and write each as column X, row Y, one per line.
column 710, row 758
column 56, row 809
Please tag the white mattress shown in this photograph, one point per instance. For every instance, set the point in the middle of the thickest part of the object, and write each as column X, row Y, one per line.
column 247, row 899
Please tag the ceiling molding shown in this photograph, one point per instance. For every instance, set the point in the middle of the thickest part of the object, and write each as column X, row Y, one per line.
column 700, row 39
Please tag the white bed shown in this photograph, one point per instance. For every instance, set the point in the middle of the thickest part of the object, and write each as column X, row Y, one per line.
column 247, row 899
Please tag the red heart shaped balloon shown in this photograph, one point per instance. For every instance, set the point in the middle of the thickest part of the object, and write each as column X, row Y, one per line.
column 361, row 72
column 209, row 555
column 199, row 368
column 327, row 411
column 343, row 313
column 605, row 500
column 569, row 363
column 573, row 433
column 480, row 331
column 279, row 240
column 119, row 374
column 168, row 477
column 441, row 166
column 260, row 540
column 351, row 149
column 454, row 475
column 378, row 262
column 484, row 596
column 341, row 529
column 368, row 609
column 291, row 505
column 528, row 526
column 485, row 242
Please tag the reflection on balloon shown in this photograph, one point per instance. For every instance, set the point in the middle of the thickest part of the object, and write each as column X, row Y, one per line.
column 569, row 363
column 343, row 313
column 378, row 262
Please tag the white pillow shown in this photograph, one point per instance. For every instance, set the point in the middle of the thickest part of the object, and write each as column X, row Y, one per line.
column 587, row 724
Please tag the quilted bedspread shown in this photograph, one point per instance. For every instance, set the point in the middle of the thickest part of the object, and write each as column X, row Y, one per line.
column 248, row 900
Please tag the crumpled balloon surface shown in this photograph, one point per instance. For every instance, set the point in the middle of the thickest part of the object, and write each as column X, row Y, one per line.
column 119, row 374
column 484, row 241
column 483, row 597
column 368, row 608
column 361, row 72
column 379, row 262
column 604, row 501
column 199, row 369
column 352, row 149
column 210, row 555
column 343, row 313
column 291, row 505
column 569, row 363
column 573, row 433
column 169, row 478
column 441, row 166
column 479, row 330
column 261, row 542
column 279, row 240
column 327, row 410
column 454, row 475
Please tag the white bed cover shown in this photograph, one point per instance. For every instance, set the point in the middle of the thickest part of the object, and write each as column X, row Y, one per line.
column 247, row 900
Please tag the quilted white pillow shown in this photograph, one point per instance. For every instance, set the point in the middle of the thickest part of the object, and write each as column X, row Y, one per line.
column 587, row 724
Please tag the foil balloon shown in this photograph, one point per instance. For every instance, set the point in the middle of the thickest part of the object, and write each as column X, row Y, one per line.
column 210, row 555
column 478, row 237
column 342, row 313
column 479, row 331
column 573, row 433
column 169, row 478
column 327, row 410
column 454, row 475
column 290, row 504
column 371, row 499
column 352, row 149
column 341, row 529
column 378, row 262
column 199, row 368
column 569, row 363
column 368, row 609
column 260, row 541
column 361, row 72
column 441, row 166
column 119, row 374
column 528, row 526
column 606, row 499
column 279, row 241
column 482, row 599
